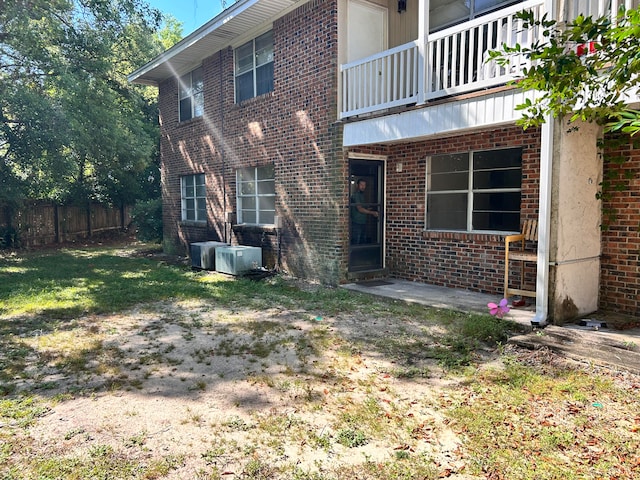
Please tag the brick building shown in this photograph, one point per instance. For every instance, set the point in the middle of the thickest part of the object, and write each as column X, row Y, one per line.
column 275, row 110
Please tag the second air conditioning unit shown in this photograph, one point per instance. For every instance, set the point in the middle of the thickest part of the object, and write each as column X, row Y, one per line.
column 203, row 254
column 237, row 260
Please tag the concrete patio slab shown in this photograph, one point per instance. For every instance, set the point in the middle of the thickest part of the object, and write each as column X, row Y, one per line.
column 440, row 297
column 467, row 301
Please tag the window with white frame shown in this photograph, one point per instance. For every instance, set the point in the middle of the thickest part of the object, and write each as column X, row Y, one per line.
column 254, row 67
column 191, row 95
column 194, row 198
column 256, row 194
column 444, row 13
column 475, row 191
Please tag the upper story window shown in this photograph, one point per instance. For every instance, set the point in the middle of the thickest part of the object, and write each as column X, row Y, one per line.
column 191, row 95
column 444, row 13
column 254, row 67
column 256, row 195
column 193, row 198
column 475, row 191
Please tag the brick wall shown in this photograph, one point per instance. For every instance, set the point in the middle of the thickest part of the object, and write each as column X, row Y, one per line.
column 476, row 261
column 459, row 260
column 620, row 267
column 294, row 127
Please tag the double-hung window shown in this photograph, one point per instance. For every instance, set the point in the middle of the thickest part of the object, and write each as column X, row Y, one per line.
column 254, row 67
column 194, row 198
column 191, row 95
column 256, row 194
column 475, row 191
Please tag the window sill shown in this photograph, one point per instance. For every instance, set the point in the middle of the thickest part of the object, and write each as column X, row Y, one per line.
column 193, row 223
column 191, row 121
column 250, row 228
column 487, row 237
column 252, row 100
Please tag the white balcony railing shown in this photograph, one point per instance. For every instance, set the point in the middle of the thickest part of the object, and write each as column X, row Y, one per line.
column 458, row 57
column 385, row 80
column 595, row 8
column 456, row 60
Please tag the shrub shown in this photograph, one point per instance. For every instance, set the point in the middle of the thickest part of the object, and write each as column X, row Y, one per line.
column 147, row 217
column 9, row 237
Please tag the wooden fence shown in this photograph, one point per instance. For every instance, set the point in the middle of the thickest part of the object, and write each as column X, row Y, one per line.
column 39, row 223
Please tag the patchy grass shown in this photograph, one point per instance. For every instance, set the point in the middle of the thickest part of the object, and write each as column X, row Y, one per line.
column 531, row 422
column 157, row 371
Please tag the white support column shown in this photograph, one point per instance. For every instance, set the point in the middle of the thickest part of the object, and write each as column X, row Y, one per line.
column 544, row 223
column 562, row 15
column 423, row 35
column 544, row 199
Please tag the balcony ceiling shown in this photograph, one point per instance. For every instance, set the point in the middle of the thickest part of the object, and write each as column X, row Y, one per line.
column 216, row 34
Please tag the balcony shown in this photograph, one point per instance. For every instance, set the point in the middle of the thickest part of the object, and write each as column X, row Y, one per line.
column 452, row 61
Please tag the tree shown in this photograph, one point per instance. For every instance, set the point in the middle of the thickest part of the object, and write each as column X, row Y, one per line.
column 71, row 127
column 585, row 70
column 171, row 32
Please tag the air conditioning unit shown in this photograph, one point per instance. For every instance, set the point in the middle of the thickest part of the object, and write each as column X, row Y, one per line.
column 237, row 260
column 203, row 254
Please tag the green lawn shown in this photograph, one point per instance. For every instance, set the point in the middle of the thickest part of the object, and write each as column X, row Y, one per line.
column 391, row 381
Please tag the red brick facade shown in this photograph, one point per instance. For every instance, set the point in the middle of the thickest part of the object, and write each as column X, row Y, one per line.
column 294, row 128
column 472, row 261
column 620, row 270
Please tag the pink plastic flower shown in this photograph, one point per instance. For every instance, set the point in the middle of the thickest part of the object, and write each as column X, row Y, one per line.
column 500, row 309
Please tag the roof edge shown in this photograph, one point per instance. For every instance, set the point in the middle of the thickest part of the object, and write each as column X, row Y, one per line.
column 212, row 25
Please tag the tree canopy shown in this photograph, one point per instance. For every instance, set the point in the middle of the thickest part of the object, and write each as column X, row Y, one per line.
column 71, row 127
column 587, row 70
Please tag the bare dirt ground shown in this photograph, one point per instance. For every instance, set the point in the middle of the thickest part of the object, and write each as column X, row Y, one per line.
column 204, row 384
column 217, row 388
column 213, row 389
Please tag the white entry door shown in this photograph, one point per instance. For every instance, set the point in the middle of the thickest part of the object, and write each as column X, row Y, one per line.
column 366, row 29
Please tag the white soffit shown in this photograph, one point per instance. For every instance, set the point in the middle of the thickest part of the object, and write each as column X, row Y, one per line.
column 216, row 34
column 450, row 117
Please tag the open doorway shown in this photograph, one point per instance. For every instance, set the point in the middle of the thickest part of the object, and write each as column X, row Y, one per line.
column 366, row 215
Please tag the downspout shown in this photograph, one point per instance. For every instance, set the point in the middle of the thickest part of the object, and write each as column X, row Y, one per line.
column 544, row 223
column 222, row 155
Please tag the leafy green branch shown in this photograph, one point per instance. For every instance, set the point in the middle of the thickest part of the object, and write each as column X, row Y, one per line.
column 586, row 70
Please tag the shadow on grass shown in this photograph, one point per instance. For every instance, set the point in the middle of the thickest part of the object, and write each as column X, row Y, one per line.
column 84, row 321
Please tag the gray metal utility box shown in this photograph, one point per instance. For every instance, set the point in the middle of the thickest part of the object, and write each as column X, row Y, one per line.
column 203, row 254
column 237, row 260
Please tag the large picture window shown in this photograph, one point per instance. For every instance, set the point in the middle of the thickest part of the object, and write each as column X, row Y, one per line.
column 475, row 191
column 254, row 67
column 191, row 95
column 194, row 198
column 256, row 195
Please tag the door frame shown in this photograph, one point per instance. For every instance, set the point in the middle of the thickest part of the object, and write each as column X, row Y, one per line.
column 355, row 156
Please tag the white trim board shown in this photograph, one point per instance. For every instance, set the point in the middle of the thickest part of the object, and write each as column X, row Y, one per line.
column 444, row 118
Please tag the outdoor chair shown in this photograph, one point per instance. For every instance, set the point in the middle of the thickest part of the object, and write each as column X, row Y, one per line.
column 523, row 250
